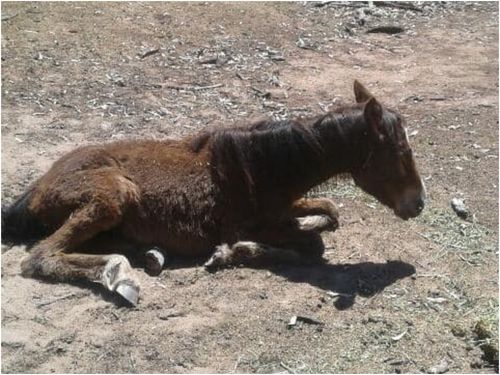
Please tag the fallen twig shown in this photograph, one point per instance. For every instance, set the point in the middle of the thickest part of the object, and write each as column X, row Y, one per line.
column 400, row 336
column 149, row 53
column 286, row 367
column 209, row 60
column 397, row 4
column 344, row 4
column 238, row 361
column 117, row 317
column 7, row 17
column 240, row 76
column 174, row 314
column 66, row 296
column 322, row 4
column 261, row 93
column 385, row 30
column 294, row 319
column 194, row 88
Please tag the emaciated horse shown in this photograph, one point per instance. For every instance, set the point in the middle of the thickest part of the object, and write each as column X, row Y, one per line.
column 238, row 191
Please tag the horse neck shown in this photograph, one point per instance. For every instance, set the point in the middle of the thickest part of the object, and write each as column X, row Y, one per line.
column 345, row 142
column 294, row 158
column 344, row 148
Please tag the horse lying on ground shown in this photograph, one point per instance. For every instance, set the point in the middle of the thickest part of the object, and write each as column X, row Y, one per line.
column 238, row 191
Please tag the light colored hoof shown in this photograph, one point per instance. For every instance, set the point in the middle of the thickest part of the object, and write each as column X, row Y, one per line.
column 129, row 292
column 119, row 277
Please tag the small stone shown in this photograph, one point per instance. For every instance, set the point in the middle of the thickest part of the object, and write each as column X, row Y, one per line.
column 459, row 207
column 97, row 343
column 481, row 330
column 458, row 331
column 476, row 364
column 441, row 368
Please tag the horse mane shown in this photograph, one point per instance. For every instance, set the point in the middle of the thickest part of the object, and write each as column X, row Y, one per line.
column 267, row 153
column 264, row 128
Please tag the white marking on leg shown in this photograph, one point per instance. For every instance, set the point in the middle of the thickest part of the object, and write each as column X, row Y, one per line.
column 220, row 257
column 313, row 222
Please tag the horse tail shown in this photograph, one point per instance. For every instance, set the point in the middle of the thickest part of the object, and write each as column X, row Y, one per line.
column 18, row 223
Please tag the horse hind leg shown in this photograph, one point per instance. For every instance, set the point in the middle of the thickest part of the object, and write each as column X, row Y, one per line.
column 53, row 257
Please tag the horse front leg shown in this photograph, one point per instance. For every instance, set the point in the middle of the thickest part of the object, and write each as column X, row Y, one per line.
column 279, row 245
column 315, row 214
column 250, row 253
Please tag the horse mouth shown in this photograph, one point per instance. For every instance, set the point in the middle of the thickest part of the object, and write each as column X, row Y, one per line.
column 403, row 215
column 407, row 214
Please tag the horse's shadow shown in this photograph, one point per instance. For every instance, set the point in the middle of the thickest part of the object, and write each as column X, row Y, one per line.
column 346, row 281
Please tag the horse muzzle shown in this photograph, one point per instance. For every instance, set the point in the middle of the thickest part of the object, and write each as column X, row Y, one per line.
column 410, row 209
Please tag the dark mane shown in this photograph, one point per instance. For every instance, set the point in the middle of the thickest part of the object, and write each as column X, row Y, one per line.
column 263, row 127
column 270, row 153
column 249, row 150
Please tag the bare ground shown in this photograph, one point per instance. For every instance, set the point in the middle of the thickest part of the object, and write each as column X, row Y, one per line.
column 407, row 296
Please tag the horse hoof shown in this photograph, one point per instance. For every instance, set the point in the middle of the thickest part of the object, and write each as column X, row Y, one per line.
column 119, row 277
column 155, row 260
column 219, row 258
column 129, row 292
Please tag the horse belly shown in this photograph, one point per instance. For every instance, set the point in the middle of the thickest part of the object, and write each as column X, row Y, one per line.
column 181, row 223
column 175, row 242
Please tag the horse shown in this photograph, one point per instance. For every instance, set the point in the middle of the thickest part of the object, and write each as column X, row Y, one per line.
column 231, row 194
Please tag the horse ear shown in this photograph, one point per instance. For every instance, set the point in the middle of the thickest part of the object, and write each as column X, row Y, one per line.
column 373, row 114
column 361, row 93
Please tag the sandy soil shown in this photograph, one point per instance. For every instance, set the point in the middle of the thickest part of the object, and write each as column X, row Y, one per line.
column 407, row 296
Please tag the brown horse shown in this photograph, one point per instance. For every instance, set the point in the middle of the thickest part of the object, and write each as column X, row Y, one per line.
column 238, row 191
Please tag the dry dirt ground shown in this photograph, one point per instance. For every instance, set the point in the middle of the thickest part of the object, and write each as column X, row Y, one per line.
column 416, row 296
